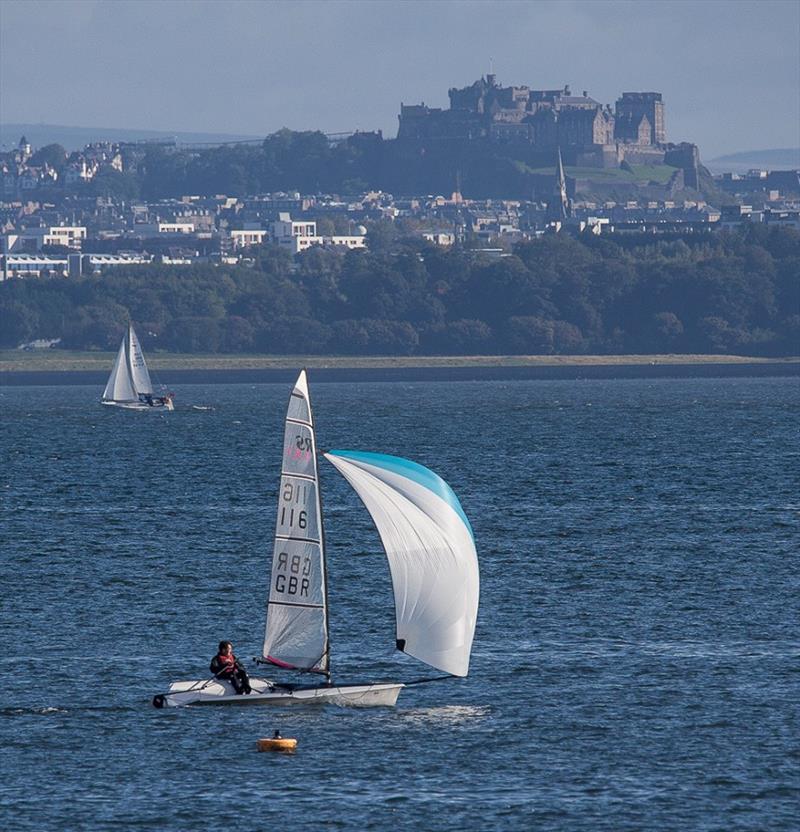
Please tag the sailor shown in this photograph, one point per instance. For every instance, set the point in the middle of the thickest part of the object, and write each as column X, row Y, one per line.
column 226, row 666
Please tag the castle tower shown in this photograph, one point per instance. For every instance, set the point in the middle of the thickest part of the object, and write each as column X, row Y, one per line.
column 630, row 109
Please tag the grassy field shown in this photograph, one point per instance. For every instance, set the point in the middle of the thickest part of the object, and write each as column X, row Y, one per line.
column 63, row 361
column 641, row 173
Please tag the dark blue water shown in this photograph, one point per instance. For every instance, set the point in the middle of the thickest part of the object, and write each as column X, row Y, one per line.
column 636, row 658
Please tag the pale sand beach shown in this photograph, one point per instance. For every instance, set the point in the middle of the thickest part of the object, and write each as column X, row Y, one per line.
column 53, row 361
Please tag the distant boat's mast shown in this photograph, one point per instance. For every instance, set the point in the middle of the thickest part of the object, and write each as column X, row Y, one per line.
column 128, row 360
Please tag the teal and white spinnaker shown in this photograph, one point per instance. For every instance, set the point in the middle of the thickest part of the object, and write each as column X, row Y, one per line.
column 431, row 551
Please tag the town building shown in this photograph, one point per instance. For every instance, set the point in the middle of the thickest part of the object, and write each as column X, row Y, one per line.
column 35, row 238
column 300, row 235
column 65, row 265
column 247, row 237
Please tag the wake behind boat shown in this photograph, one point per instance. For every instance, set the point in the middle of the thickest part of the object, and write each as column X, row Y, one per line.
column 434, row 567
column 129, row 384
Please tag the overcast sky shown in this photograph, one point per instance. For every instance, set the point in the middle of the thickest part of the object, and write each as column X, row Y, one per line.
column 729, row 69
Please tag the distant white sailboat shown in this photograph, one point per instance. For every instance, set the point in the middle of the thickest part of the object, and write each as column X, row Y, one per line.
column 129, row 384
column 431, row 551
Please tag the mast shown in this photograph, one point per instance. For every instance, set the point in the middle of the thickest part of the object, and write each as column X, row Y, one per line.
column 128, row 361
column 321, row 521
column 324, row 558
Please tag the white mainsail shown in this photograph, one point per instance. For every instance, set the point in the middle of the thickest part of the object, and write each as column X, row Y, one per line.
column 119, row 387
column 139, row 373
column 297, row 619
column 431, row 552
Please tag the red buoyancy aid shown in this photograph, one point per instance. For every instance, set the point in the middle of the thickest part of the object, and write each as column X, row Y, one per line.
column 228, row 661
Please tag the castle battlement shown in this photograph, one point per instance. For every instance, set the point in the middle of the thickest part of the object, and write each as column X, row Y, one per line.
column 544, row 120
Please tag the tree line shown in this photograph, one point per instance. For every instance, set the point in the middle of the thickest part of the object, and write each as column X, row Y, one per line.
column 286, row 160
column 735, row 293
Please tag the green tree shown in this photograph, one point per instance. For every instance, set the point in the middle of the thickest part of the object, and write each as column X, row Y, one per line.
column 19, row 323
column 667, row 331
column 97, row 325
column 111, row 183
column 51, row 154
column 381, row 236
column 460, row 337
column 194, row 334
column 529, row 335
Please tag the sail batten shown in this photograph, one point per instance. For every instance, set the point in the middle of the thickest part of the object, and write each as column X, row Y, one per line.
column 296, row 634
column 293, row 604
column 431, row 551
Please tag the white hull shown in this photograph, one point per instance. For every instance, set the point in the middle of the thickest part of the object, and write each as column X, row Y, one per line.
column 140, row 405
column 265, row 693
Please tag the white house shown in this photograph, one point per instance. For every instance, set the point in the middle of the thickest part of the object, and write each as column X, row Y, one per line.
column 80, row 171
column 71, row 236
column 355, row 241
column 296, row 236
column 153, row 229
column 299, row 236
column 439, row 238
column 246, row 237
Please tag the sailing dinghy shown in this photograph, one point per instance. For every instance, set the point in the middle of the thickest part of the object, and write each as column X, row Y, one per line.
column 434, row 567
column 129, row 384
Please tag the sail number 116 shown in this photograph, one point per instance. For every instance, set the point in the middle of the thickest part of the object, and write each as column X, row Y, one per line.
column 292, row 493
column 290, row 515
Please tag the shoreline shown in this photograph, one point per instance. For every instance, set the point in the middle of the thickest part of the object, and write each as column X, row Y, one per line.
column 58, row 361
column 93, row 368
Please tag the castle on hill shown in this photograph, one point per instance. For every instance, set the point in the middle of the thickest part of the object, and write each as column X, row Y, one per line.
column 589, row 134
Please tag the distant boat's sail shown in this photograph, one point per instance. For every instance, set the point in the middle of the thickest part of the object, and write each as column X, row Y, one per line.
column 431, row 551
column 139, row 373
column 297, row 620
column 119, row 387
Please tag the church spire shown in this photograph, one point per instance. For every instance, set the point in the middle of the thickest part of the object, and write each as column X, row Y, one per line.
column 560, row 207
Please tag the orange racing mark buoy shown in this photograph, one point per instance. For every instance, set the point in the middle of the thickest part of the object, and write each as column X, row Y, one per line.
column 276, row 744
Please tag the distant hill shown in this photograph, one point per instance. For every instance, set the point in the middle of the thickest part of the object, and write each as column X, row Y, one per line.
column 75, row 138
column 780, row 159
